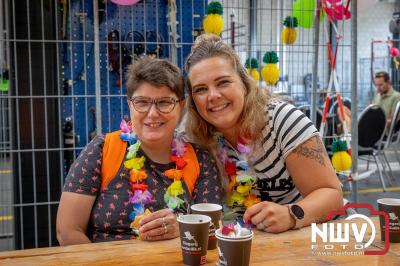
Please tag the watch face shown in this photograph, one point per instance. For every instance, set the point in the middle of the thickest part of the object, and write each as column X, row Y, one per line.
column 297, row 211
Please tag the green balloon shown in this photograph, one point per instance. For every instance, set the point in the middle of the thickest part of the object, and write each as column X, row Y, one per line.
column 303, row 10
column 4, row 85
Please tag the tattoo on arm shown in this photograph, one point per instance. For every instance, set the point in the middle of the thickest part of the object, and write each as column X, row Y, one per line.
column 313, row 149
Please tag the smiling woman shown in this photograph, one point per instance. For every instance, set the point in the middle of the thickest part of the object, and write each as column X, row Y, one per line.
column 219, row 93
column 277, row 173
column 162, row 173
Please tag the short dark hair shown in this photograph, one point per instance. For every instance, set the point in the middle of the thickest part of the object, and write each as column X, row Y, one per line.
column 382, row 74
column 157, row 72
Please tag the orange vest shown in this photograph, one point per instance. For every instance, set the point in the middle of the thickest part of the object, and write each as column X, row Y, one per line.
column 114, row 152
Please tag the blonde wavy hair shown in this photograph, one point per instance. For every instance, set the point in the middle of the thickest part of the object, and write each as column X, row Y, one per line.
column 252, row 120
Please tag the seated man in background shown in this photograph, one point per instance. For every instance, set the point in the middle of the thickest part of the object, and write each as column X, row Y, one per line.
column 386, row 96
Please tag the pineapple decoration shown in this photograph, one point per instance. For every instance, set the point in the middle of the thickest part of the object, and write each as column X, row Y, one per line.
column 341, row 160
column 213, row 22
column 289, row 34
column 251, row 68
column 270, row 72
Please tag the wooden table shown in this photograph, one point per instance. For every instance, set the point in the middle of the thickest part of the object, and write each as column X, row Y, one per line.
column 289, row 248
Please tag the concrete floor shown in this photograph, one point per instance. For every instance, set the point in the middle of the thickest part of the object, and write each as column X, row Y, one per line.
column 369, row 190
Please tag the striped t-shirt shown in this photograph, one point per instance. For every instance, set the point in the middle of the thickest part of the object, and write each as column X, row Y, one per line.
column 286, row 128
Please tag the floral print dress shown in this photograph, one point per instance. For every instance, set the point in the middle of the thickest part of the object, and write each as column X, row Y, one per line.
column 109, row 218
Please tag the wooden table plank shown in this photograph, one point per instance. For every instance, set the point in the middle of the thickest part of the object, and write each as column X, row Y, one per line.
column 293, row 247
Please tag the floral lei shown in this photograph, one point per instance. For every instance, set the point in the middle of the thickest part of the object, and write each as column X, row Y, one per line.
column 137, row 176
column 241, row 183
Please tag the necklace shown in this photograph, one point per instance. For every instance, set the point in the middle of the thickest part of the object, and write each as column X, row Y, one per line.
column 137, row 176
column 241, row 183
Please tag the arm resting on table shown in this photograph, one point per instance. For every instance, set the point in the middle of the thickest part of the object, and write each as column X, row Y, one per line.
column 315, row 178
column 73, row 217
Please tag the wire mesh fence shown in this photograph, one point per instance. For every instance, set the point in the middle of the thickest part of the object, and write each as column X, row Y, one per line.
column 66, row 63
column 63, row 64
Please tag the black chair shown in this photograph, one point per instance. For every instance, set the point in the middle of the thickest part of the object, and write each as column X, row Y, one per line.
column 334, row 111
column 335, row 104
column 391, row 137
column 371, row 129
column 306, row 109
column 328, row 130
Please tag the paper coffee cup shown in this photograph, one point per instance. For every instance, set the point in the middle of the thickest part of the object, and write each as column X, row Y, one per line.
column 215, row 212
column 193, row 230
column 234, row 251
column 392, row 207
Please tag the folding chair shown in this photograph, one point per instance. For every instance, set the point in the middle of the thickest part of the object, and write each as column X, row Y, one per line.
column 371, row 129
column 391, row 137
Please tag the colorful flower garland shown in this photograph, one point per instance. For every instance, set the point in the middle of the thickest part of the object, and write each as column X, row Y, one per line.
column 137, row 176
column 241, row 183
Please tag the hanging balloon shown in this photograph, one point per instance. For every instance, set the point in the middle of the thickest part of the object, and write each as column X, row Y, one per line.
column 336, row 9
column 341, row 159
column 303, row 10
column 251, row 66
column 213, row 22
column 125, row 2
column 270, row 72
column 289, row 34
column 394, row 52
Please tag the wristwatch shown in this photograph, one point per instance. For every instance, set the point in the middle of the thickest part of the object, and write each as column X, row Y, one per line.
column 297, row 213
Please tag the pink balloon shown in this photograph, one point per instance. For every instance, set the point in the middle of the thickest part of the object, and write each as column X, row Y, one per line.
column 336, row 9
column 125, row 2
column 394, row 52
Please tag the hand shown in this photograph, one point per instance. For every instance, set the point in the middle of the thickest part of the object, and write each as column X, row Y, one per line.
column 269, row 217
column 159, row 225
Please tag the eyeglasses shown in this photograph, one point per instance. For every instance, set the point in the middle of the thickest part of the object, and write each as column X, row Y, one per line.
column 164, row 105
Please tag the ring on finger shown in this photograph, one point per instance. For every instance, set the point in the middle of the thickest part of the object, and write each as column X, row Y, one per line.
column 265, row 225
column 164, row 223
column 165, row 229
column 261, row 226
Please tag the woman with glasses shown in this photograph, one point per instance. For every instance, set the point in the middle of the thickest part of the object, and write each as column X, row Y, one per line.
column 159, row 174
column 278, row 175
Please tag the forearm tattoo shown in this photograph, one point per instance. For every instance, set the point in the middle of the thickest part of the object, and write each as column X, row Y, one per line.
column 313, row 149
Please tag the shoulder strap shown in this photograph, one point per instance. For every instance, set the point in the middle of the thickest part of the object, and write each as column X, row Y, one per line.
column 113, row 155
column 192, row 170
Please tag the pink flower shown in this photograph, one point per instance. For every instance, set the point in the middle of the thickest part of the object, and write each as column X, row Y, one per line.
column 178, row 147
column 223, row 155
column 242, row 148
column 142, row 197
column 124, row 126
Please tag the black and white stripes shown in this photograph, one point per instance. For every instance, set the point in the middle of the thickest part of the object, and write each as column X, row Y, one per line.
column 286, row 128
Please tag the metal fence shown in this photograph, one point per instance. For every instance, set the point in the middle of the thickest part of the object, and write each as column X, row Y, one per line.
column 64, row 63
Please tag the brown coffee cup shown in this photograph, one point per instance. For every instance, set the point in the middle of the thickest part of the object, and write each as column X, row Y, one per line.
column 233, row 251
column 215, row 212
column 193, row 230
column 392, row 207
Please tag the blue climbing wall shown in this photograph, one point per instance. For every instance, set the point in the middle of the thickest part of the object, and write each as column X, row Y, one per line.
column 142, row 27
